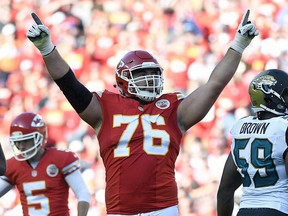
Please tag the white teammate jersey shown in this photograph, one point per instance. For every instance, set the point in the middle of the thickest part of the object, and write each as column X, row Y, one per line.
column 257, row 149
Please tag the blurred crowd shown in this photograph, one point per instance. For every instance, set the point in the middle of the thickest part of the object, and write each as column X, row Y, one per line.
column 187, row 37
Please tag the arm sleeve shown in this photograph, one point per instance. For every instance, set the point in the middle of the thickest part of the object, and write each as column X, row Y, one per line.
column 77, row 94
column 77, row 184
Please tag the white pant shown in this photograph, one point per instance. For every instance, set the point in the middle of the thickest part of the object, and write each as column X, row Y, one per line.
column 170, row 211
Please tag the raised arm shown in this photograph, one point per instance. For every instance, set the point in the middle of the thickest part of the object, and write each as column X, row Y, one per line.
column 81, row 99
column 196, row 105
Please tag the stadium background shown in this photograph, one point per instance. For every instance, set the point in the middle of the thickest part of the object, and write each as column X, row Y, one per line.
column 187, row 37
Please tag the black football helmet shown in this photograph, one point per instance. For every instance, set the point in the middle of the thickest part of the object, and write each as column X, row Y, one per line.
column 269, row 92
column 27, row 126
column 133, row 79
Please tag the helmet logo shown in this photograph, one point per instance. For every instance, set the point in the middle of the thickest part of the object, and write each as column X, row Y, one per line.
column 163, row 104
column 120, row 64
column 264, row 83
column 37, row 122
column 52, row 170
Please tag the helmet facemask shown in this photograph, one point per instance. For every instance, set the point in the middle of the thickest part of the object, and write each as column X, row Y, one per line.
column 139, row 75
column 37, row 139
column 146, row 87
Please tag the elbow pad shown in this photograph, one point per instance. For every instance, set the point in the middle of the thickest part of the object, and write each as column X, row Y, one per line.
column 76, row 93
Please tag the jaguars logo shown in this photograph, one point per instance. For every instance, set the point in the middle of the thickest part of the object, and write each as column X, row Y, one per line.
column 264, row 83
column 120, row 64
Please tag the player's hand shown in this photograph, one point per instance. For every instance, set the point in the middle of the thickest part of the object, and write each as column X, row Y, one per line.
column 245, row 33
column 39, row 34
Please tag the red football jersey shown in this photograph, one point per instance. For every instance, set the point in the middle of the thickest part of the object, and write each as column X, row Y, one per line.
column 43, row 189
column 139, row 146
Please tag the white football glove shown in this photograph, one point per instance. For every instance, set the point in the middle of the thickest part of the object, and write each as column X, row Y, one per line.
column 39, row 34
column 245, row 33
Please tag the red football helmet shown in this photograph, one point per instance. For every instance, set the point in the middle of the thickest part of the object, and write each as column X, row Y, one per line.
column 24, row 127
column 139, row 75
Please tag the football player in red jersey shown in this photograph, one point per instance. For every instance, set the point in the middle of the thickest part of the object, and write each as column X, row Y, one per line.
column 140, row 129
column 2, row 161
column 42, row 175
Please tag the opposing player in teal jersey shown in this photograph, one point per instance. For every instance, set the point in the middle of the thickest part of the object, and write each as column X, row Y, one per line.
column 258, row 159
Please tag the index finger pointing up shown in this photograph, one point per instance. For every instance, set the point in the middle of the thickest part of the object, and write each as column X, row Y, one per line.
column 245, row 17
column 36, row 19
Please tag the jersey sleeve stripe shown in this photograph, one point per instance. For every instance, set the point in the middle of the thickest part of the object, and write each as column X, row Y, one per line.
column 99, row 93
column 180, row 96
column 71, row 168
